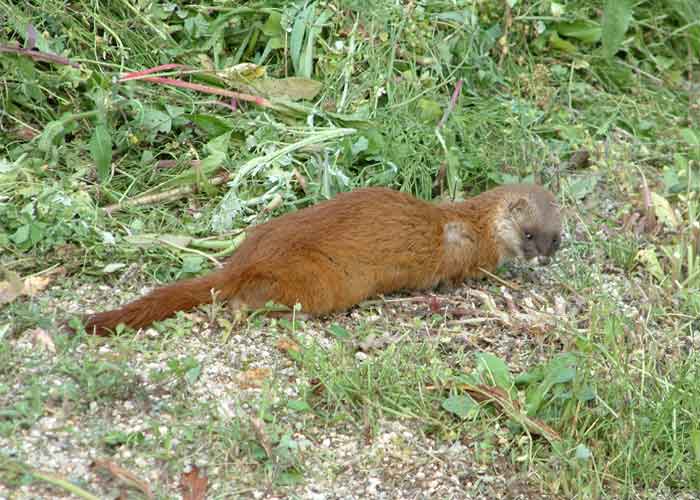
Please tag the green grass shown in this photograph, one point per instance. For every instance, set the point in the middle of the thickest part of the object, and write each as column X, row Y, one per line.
column 613, row 373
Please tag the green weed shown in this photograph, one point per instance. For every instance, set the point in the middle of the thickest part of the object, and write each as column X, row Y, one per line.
column 116, row 179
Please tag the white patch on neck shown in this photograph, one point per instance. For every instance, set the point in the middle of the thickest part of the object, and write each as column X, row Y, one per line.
column 456, row 234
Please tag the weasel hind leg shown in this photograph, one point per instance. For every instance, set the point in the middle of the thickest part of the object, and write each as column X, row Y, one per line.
column 314, row 294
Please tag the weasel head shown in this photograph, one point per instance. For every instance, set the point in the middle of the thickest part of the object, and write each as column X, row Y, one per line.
column 529, row 225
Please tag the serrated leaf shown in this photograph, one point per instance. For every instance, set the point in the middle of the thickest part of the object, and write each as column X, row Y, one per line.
column 462, row 406
column 157, row 120
column 101, row 151
column 617, row 15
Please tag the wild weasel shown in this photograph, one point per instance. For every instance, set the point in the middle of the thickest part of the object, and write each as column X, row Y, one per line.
column 330, row 256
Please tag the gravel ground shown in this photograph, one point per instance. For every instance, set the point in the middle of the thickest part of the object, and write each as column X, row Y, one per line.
column 395, row 459
column 398, row 461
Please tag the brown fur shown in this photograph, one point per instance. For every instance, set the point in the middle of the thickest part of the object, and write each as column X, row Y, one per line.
column 331, row 256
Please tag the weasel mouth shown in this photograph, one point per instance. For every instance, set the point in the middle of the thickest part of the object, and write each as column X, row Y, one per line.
column 539, row 260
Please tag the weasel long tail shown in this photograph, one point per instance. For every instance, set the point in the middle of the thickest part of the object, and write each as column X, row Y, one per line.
column 158, row 305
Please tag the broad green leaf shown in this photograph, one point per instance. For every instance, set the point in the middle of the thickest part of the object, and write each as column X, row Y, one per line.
column 617, row 15
column 359, row 146
column 690, row 137
column 157, row 120
column 192, row 264
column 582, row 452
column 212, row 125
column 48, row 135
column 193, row 373
column 338, row 331
column 584, row 30
column 555, row 41
column 494, row 370
column 465, row 17
column 274, row 43
column 298, row 405
column 647, row 257
column 21, row 234
column 429, row 110
column 6, row 166
column 462, row 406
column 557, row 9
column 293, row 88
column 273, row 25
column 582, row 186
column 219, row 144
column 174, row 111
column 289, row 477
column 531, row 376
column 112, row 267
column 695, row 440
column 585, row 393
column 101, row 150
column 561, row 369
column 664, row 211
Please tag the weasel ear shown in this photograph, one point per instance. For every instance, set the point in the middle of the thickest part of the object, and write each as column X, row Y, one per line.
column 518, row 207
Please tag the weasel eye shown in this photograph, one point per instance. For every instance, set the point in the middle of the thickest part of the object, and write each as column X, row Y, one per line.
column 528, row 236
